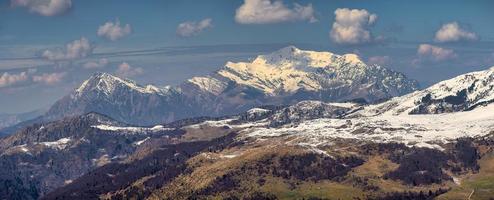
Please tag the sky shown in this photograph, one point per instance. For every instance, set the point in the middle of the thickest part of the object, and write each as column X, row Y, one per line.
column 48, row 47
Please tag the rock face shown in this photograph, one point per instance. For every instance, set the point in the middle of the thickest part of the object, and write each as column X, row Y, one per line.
column 286, row 76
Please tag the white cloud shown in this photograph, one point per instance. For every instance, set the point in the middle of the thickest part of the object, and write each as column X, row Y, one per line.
column 125, row 70
column 113, row 30
column 11, row 79
column 352, row 26
column 268, row 11
column 452, row 32
column 379, row 60
column 74, row 50
column 49, row 78
column 435, row 53
column 29, row 77
column 103, row 62
column 188, row 29
column 44, row 7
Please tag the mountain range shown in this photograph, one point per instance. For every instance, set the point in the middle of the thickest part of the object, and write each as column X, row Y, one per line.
column 313, row 141
column 283, row 77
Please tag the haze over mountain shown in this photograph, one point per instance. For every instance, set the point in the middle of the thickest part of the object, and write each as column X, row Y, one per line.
column 7, row 120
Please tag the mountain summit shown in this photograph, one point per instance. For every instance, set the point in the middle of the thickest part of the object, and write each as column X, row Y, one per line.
column 285, row 76
column 122, row 99
column 109, row 84
column 291, row 70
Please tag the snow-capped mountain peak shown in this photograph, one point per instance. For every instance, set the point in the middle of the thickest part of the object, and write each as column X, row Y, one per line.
column 107, row 84
column 290, row 69
column 291, row 56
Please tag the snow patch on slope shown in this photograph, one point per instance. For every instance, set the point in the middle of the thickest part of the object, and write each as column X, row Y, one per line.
column 141, row 141
column 208, row 84
column 212, row 123
column 257, row 111
column 131, row 129
column 59, row 144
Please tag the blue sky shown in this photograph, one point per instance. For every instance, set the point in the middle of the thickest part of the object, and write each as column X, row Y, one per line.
column 36, row 68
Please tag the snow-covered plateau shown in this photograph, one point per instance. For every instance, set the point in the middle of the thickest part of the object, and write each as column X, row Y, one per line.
column 131, row 129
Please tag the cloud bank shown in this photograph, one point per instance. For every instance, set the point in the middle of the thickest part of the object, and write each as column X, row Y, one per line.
column 29, row 77
column 103, row 62
column 379, row 60
column 435, row 53
column 452, row 32
column 352, row 26
column 268, row 12
column 188, row 29
column 125, row 70
column 49, row 78
column 8, row 79
column 74, row 50
column 114, row 31
column 44, row 7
